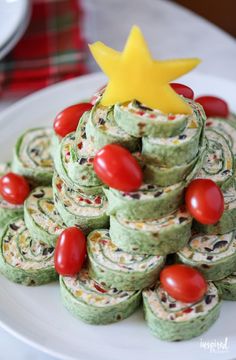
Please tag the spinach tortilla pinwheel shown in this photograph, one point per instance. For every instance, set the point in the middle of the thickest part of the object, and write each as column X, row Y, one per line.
column 213, row 255
column 218, row 164
column 41, row 217
column 227, row 287
column 113, row 267
column 139, row 120
column 88, row 300
column 160, row 236
column 74, row 161
column 88, row 212
column 102, row 129
column 32, row 156
column 177, row 150
column 149, row 201
column 225, row 125
column 172, row 320
column 25, row 260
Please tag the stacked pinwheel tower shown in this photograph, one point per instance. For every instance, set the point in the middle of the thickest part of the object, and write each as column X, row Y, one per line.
column 124, row 259
column 131, row 235
column 146, row 225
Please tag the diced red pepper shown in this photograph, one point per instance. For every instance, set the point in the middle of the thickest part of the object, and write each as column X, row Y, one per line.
column 140, row 112
column 209, row 123
column 188, row 310
column 182, row 208
column 99, row 288
column 59, row 186
column 98, row 200
column 152, row 116
column 103, row 242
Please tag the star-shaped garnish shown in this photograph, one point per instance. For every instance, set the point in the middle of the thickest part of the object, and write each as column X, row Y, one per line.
column 134, row 74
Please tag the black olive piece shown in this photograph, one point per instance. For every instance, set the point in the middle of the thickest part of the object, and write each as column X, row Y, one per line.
column 225, row 172
column 158, row 193
column 135, row 196
column 208, row 298
column 163, row 298
column 142, row 107
column 82, row 161
column 101, row 121
column 47, row 251
column 220, row 244
column 208, row 249
column 14, row 227
column 39, row 195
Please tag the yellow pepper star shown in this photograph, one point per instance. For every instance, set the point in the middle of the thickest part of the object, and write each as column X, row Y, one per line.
column 134, row 74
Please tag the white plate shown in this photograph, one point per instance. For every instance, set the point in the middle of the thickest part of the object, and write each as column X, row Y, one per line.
column 37, row 316
column 14, row 17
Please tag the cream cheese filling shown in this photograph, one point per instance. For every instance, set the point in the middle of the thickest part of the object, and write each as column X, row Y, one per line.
column 41, row 208
column 209, row 248
column 21, row 251
column 79, row 203
column 227, row 129
column 218, row 161
column 35, row 149
column 90, row 292
column 148, row 192
column 109, row 255
column 192, row 128
column 104, row 122
column 147, row 113
column 155, row 225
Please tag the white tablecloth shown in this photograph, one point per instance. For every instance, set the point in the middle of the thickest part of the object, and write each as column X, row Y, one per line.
column 171, row 31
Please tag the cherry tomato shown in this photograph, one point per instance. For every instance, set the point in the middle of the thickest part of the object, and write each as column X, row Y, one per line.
column 67, row 120
column 183, row 283
column 184, row 90
column 70, row 252
column 117, row 168
column 96, row 95
column 14, row 188
column 204, row 201
column 213, row 106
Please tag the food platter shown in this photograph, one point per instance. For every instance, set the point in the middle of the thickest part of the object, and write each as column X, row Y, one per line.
column 36, row 315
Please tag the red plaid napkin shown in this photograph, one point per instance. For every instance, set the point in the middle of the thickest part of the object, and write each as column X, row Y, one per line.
column 51, row 50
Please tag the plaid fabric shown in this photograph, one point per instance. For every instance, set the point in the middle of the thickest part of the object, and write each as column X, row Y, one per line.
column 51, row 50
